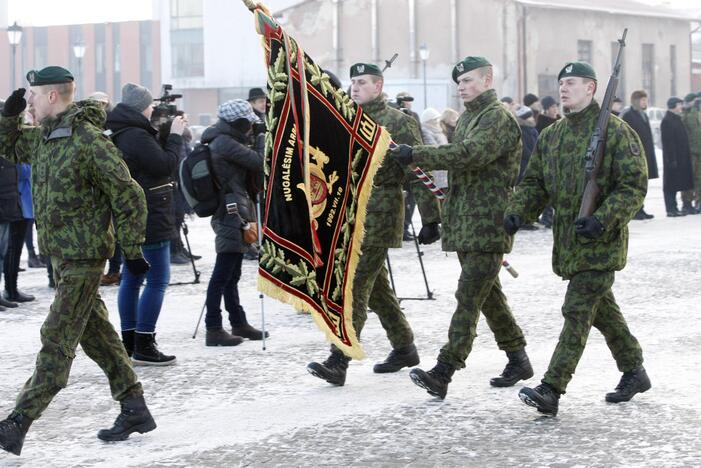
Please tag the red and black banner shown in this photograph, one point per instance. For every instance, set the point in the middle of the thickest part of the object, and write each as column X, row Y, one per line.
column 321, row 155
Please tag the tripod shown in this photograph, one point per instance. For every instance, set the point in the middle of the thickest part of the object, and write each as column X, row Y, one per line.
column 195, row 271
column 420, row 254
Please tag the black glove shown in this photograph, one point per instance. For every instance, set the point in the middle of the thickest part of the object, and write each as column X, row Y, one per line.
column 429, row 233
column 15, row 104
column 259, row 127
column 137, row 266
column 403, row 154
column 512, row 223
column 589, row 227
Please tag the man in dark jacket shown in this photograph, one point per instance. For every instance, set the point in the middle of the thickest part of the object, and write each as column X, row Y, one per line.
column 676, row 156
column 636, row 117
column 550, row 114
column 233, row 163
column 151, row 166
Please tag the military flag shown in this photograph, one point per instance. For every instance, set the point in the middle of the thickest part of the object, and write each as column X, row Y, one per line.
column 321, row 155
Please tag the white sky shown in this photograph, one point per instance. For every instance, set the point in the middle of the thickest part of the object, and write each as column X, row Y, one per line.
column 49, row 12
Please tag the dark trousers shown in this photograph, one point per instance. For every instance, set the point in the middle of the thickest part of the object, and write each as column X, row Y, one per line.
column 29, row 236
column 224, row 282
column 18, row 230
column 670, row 201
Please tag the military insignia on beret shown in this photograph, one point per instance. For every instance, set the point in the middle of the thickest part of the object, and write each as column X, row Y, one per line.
column 569, row 68
column 360, row 68
column 461, row 67
column 31, row 76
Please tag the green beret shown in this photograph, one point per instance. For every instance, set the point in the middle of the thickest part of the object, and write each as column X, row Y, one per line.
column 48, row 76
column 581, row 69
column 365, row 69
column 690, row 97
column 469, row 64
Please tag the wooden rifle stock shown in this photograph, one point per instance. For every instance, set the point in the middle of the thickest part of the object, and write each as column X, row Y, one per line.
column 597, row 144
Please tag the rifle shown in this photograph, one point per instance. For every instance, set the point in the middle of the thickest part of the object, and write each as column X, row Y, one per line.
column 597, row 144
column 388, row 63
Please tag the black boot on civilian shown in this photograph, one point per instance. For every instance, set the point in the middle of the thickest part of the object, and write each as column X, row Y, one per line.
column 128, row 337
column 435, row 381
column 146, row 351
column 544, row 398
column 34, row 261
column 220, row 337
column 247, row 331
column 16, row 295
column 12, row 432
column 518, row 368
column 333, row 369
column 6, row 303
column 688, row 209
column 631, row 383
column 406, row 356
column 134, row 417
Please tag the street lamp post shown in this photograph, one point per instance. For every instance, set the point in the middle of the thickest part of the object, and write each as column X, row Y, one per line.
column 79, row 52
column 424, row 53
column 14, row 34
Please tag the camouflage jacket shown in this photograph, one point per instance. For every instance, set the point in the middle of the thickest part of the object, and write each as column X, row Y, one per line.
column 482, row 164
column 79, row 184
column 692, row 122
column 384, row 223
column 555, row 175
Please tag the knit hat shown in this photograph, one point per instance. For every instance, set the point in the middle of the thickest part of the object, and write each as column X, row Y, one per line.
column 136, row 97
column 524, row 112
column 529, row 99
column 99, row 96
column 256, row 93
column 236, row 109
column 429, row 114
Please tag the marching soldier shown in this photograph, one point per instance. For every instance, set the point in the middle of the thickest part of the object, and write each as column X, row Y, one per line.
column 383, row 230
column 586, row 251
column 482, row 164
column 79, row 183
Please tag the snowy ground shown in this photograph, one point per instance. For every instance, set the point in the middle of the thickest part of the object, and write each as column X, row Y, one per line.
column 248, row 407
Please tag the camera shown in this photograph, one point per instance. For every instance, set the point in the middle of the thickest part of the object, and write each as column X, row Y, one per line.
column 166, row 108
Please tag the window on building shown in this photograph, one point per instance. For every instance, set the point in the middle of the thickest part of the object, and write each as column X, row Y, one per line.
column 186, row 38
column 584, row 51
column 696, row 47
column 116, row 63
column 146, row 58
column 649, row 71
column 548, row 86
column 100, row 65
column 672, row 70
column 621, row 90
column 41, row 48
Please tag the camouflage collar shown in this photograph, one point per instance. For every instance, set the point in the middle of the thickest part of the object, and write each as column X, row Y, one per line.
column 480, row 102
column 585, row 116
column 375, row 105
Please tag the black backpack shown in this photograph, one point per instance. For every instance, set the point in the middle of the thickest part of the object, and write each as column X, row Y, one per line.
column 198, row 182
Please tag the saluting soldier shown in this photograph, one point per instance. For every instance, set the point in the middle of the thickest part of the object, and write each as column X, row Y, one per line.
column 79, row 183
column 586, row 251
column 383, row 230
column 482, row 163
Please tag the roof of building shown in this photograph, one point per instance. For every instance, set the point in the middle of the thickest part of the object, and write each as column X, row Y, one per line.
column 617, row 7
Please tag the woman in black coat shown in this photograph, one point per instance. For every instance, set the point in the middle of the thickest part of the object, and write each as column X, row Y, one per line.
column 151, row 166
column 234, row 164
column 676, row 157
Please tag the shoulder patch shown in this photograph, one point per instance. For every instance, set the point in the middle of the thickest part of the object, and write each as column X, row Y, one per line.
column 634, row 147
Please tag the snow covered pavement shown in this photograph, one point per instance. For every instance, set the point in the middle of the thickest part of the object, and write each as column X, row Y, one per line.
column 243, row 406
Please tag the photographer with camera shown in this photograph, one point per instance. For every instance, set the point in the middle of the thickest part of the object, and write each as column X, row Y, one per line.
column 151, row 166
column 233, row 163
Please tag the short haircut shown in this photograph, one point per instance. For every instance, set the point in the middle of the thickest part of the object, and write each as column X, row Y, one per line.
column 65, row 91
column 375, row 78
column 638, row 95
column 484, row 71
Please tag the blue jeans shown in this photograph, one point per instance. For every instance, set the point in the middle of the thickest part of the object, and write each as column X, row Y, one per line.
column 224, row 282
column 141, row 313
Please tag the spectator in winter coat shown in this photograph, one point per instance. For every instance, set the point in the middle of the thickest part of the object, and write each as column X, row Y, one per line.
column 550, row 114
column 636, row 117
column 533, row 102
column 676, row 156
column 151, row 166
column 233, row 163
column 449, row 120
column 432, row 134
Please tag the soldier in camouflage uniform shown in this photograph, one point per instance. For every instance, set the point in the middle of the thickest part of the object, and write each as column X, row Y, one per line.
column 692, row 121
column 586, row 251
column 383, row 230
column 79, row 183
column 482, row 163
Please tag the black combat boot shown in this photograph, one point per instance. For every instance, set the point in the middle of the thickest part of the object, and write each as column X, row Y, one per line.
column 518, row 368
column 247, row 331
column 134, row 417
column 544, row 398
column 146, row 351
column 220, row 337
column 6, row 303
column 15, row 295
column 128, row 337
column 632, row 382
column 333, row 370
column 435, row 381
column 12, row 432
column 406, row 356
column 688, row 209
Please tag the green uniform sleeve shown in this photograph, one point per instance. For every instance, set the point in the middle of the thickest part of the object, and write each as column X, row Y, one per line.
column 531, row 196
column 426, row 201
column 110, row 175
column 629, row 171
column 494, row 134
column 17, row 142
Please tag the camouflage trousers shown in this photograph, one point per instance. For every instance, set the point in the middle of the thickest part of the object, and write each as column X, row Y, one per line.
column 694, row 195
column 479, row 288
column 371, row 289
column 589, row 302
column 77, row 316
